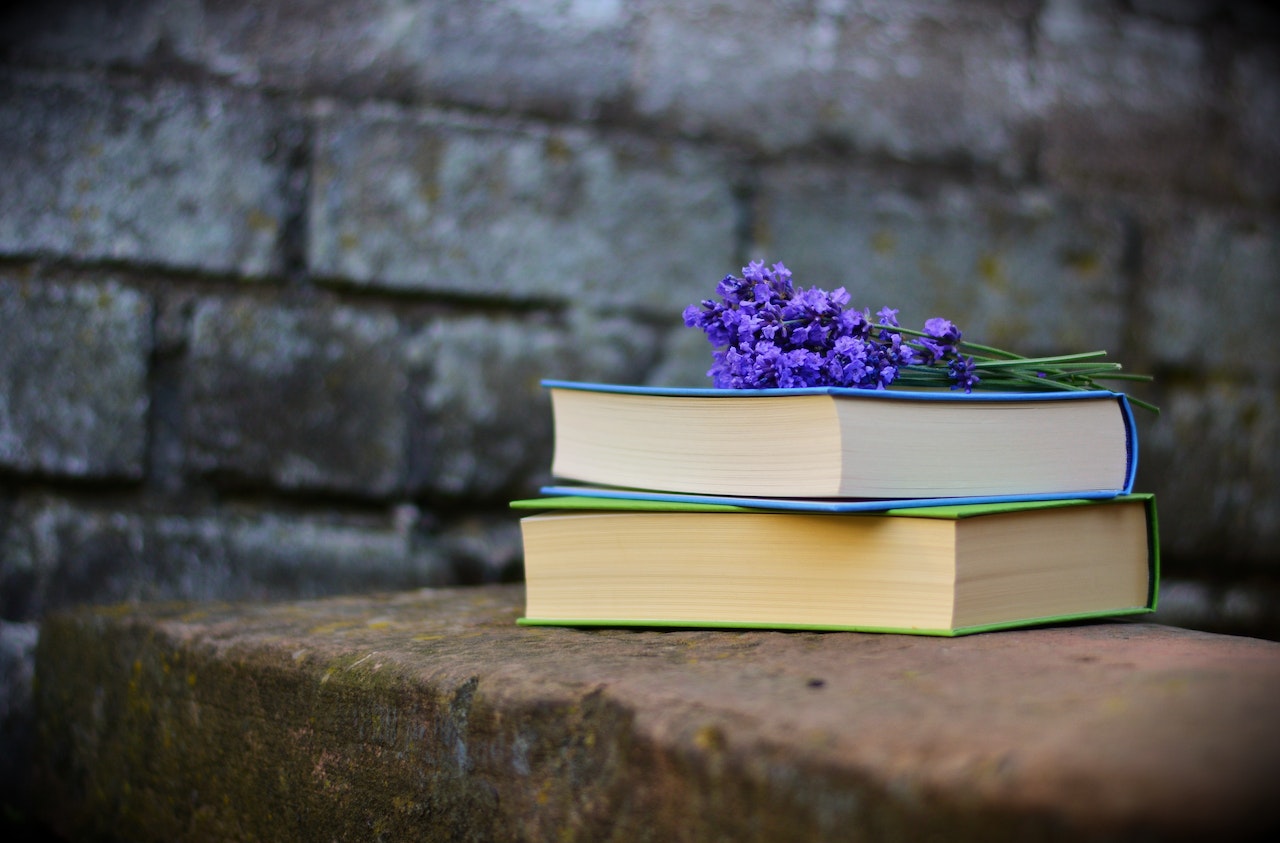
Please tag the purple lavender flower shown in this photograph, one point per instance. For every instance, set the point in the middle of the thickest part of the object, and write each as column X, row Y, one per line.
column 899, row 351
column 856, row 323
column 730, row 289
column 940, row 343
column 942, row 330
column 962, row 373
column 769, row 333
column 847, row 362
column 765, row 332
column 930, row 351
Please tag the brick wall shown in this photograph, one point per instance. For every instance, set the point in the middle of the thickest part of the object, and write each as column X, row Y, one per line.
column 278, row 279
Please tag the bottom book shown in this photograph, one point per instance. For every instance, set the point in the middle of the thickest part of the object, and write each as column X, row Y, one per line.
column 946, row 570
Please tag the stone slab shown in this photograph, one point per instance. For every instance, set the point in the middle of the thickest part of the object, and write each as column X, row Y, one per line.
column 430, row 715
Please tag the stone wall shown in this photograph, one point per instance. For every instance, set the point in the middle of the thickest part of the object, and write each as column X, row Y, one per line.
column 278, row 279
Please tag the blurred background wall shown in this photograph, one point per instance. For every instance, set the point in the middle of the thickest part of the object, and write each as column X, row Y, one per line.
column 278, row 279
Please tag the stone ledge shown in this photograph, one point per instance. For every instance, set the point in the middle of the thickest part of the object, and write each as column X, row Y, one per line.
column 429, row 715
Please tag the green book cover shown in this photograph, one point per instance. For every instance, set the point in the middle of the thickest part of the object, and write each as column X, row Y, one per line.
column 567, row 504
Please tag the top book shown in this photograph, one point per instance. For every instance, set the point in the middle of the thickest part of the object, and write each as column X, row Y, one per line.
column 831, row 442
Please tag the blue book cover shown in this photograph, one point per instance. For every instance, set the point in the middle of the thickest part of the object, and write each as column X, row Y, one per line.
column 840, row 449
column 833, row 505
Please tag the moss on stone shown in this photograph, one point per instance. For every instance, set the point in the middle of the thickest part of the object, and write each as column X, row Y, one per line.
column 431, row 716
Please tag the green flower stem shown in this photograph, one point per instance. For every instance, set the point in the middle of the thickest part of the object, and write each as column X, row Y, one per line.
column 1144, row 405
column 1050, row 382
column 1056, row 361
column 971, row 346
column 1074, row 373
column 1127, row 376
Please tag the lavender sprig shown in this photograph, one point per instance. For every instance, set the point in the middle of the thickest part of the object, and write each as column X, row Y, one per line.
column 768, row 333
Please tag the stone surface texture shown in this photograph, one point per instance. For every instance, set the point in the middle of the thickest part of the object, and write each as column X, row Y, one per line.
column 73, row 378
column 160, row 172
column 430, row 715
column 505, row 211
column 295, row 397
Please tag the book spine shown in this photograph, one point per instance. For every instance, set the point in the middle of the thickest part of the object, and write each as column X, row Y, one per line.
column 1131, row 443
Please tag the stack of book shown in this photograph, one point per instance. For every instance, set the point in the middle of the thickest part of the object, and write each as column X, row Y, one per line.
column 838, row 509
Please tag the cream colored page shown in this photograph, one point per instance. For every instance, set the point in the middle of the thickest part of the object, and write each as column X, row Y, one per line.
column 992, row 448
column 1053, row 562
column 733, row 446
column 747, row 568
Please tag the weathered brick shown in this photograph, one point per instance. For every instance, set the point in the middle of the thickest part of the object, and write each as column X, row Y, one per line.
column 433, row 205
column 1030, row 271
column 57, row 553
column 480, row 548
column 1181, row 11
column 1210, row 276
column 17, row 715
column 1249, row 607
column 545, row 56
column 898, row 78
column 1255, row 112
column 1115, row 87
column 685, row 355
column 89, row 32
column 1212, row 460
column 483, row 421
column 910, row 85
column 299, row 397
column 17, row 660
column 165, row 173
column 73, row 378
column 277, row 555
